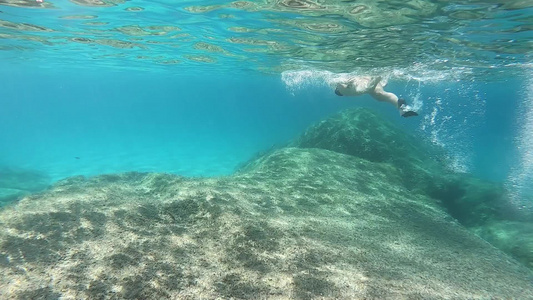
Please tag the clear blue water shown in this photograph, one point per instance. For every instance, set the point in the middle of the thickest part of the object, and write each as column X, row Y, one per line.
column 199, row 88
column 175, row 124
column 196, row 88
column 161, row 123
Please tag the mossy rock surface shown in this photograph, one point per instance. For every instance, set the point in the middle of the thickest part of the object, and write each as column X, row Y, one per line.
column 513, row 237
column 295, row 224
column 423, row 168
column 364, row 134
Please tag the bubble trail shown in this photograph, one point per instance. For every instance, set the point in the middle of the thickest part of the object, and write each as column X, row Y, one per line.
column 520, row 181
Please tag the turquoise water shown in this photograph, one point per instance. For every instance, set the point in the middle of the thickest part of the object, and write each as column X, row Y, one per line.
column 220, row 93
column 88, row 124
column 92, row 87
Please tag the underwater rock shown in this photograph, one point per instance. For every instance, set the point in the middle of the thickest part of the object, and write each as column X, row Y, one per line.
column 475, row 203
column 513, row 237
column 361, row 132
column 422, row 166
column 296, row 223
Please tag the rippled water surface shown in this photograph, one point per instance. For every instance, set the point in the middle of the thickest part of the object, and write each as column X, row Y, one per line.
column 272, row 35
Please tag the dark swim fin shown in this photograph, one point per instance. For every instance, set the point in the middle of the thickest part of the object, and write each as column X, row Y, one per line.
column 409, row 113
column 404, row 112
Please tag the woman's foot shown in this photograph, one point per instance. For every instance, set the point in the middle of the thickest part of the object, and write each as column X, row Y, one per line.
column 405, row 110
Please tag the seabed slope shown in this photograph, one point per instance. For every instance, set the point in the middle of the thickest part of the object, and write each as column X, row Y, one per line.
column 296, row 223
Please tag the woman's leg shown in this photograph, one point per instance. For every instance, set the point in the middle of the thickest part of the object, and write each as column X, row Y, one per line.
column 381, row 95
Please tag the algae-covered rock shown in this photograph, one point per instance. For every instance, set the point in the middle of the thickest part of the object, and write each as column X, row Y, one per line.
column 423, row 167
column 473, row 202
column 362, row 133
column 295, row 224
column 513, row 237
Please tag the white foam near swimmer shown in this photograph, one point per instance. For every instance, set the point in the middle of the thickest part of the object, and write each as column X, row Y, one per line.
column 302, row 79
column 296, row 80
column 520, row 181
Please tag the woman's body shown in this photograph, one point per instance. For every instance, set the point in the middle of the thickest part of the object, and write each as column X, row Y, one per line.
column 360, row 85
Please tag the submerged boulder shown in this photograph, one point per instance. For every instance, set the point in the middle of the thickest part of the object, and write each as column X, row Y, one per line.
column 476, row 204
column 423, row 167
column 364, row 134
column 513, row 237
column 296, row 223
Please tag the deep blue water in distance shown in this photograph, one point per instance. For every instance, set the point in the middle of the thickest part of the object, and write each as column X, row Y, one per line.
column 206, row 125
column 114, row 122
